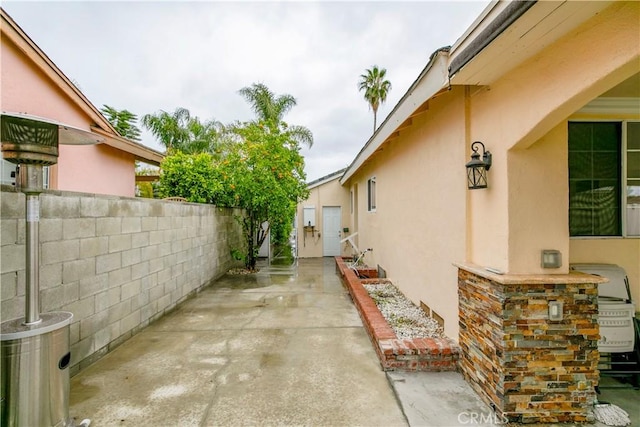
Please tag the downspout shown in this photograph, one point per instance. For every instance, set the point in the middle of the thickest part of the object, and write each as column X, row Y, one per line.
column 467, row 153
column 507, row 17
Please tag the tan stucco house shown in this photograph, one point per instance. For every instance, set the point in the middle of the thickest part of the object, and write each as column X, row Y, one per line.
column 31, row 84
column 322, row 221
column 559, row 72
column 552, row 90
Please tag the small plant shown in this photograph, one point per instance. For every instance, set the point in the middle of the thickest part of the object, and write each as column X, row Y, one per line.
column 238, row 255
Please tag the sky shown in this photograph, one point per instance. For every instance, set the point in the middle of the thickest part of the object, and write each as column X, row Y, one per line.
column 148, row 56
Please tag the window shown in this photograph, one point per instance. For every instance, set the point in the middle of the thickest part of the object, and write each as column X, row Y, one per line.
column 371, row 194
column 351, row 200
column 604, row 178
column 7, row 173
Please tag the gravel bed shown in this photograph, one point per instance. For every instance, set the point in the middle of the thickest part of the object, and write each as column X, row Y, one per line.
column 406, row 320
column 241, row 271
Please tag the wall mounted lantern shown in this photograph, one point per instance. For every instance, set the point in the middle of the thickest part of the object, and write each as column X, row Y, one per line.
column 476, row 168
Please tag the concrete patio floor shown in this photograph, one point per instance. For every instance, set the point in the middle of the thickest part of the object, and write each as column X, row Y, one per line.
column 281, row 347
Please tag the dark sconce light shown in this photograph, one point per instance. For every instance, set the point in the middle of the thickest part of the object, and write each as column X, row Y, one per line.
column 477, row 169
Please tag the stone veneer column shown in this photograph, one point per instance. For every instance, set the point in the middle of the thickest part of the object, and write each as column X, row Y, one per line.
column 527, row 367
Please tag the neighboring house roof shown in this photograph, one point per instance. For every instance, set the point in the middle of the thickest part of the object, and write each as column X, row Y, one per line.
column 101, row 126
column 327, row 178
column 504, row 35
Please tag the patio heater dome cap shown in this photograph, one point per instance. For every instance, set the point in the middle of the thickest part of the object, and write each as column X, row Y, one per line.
column 28, row 139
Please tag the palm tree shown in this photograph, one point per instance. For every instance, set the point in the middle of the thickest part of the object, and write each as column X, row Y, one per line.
column 170, row 129
column 124, row 121
column 375, row 88
column 203, row 137
column 180, row 131
column 270, row 108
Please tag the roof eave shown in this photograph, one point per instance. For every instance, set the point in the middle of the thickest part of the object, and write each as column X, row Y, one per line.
column 486, row 30
column 21, row 39
column 327, row 178
column 511, row 32
column 140, row 152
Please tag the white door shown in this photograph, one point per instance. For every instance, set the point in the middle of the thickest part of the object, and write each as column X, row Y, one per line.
column 332, row 233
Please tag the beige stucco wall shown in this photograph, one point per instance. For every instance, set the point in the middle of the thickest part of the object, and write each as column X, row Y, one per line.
column 519, row 117
column 426, row 219
column 537, row 217
column 101, row 169
column 546, row 160
column 418, row 228
column 328, row 194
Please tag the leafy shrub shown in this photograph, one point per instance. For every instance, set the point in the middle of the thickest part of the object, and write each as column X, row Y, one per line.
column 192, row 176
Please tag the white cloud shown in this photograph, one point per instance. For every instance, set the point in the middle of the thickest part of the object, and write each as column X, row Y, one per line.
column 147, row 56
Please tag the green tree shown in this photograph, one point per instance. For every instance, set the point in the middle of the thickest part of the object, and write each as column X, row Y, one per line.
column 376, row 88
column 263, row 174
column 192, row 176
column 145, row 190
column 124, row 121
column 257, row 166
column 271, row 109
column 179, row 131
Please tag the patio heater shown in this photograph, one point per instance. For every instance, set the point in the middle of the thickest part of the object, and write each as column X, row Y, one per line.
column 35, row 354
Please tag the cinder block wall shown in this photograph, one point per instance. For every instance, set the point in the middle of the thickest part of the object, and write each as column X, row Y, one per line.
column 116, row 263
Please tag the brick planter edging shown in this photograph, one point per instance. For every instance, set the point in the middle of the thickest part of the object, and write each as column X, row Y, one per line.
column 418, row 354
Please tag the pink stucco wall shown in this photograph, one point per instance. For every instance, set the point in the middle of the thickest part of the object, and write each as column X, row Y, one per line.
column 96, row 169
column 25, row 88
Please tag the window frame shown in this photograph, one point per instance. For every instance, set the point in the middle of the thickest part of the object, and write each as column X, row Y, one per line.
column 372, row 204
column 351, row 201
column 623, row 174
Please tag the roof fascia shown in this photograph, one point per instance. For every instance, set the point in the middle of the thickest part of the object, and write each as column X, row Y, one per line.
column 139, row 151
column 325, row 179
column 16, row 35
column 430, row 82
column 513, row 34
column 480, row 23
column 492, row 23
